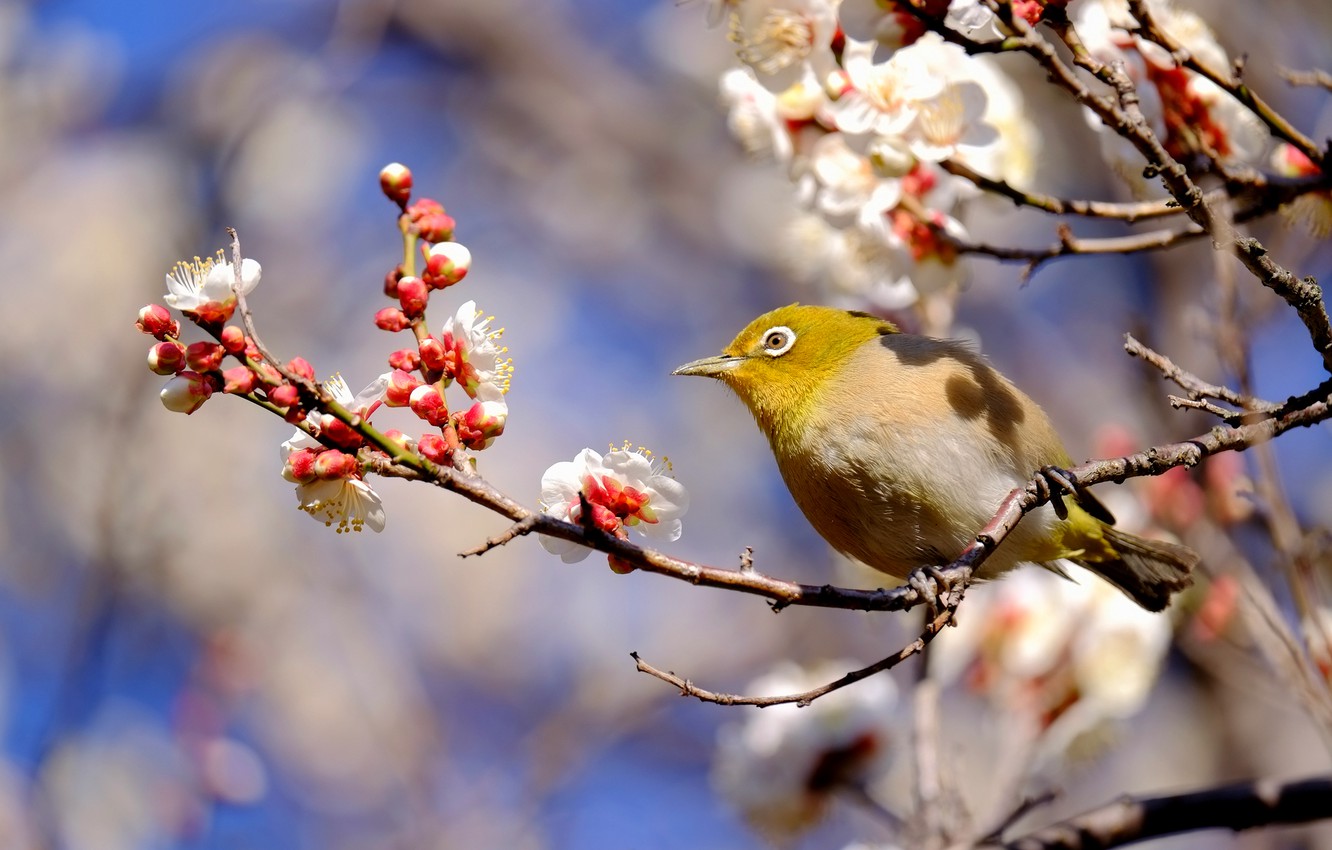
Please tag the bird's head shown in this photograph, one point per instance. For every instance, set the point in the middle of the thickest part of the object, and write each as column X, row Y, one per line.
column 777, row 364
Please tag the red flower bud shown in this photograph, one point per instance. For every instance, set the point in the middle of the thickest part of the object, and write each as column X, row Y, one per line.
column 432, row 354
column 333, row 464
column 395, row 180
column 427, row 403
column 166, row 358
column 233, row 340
column 405, row 359
column 284, row 395
column 391, row 281
column 446, row 264
column 433, row 448
column 204, row 356
column 155, row 320
column 392, row 319
column 302, row 367
column 239, row 380
column 339, row 433
column 413, row 295
column 401, row 384
column 300, row 466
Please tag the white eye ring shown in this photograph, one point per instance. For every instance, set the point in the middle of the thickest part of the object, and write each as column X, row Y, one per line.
column 778, row 340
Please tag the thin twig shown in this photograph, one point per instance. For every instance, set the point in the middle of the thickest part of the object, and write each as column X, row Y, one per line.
column 1315, row 77
column 689, row 689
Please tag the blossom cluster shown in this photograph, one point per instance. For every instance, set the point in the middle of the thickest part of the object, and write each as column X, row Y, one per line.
column 626, row 488
column 865, row 108
column 329, row 455
column 1192, row 116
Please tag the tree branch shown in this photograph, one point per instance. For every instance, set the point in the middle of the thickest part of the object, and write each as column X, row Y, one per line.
column 1234, row 807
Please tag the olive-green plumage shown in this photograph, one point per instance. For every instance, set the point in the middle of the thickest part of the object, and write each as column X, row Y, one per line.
column 899, row 448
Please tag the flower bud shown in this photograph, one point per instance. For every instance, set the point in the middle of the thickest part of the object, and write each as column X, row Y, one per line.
column 166, row 358
column 233, row 340
column 433, row 448
column 299, row 467
column 405, row 359
column 393, row 435
column 333, row 464
column 620, row 566
column 294, row 415
column 339, row 433
column 446, row 264
column 413, row 295
column 395, row 180
column 155, row 320
column 401, row 384
column 186, row 392
column 284, row 395
column 481, row 423
column 204, row 356
column 392, row 319
column 432, row 354
column 239, row 380
column 391, row 281
column 430, row 221
column 300, row 366
column 427, row 403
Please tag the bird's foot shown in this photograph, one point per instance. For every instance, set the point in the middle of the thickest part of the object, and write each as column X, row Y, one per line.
column 1053, row 483
column 937, row 588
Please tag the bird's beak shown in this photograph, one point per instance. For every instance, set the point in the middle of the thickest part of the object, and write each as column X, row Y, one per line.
column 710, row 367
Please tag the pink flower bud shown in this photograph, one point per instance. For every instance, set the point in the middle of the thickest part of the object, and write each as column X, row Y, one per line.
column 393, row 435
column 233, row 340
column 446, row 264
column 186, row 392
column 434, row 449
column 166, row 358
column 427, row 403
column 213, row 314
column 284, row 395
column 339, row 433
column 392, row 319
column 391, row 281
column 405, row 359
column 430, row 221
column 395, row 180
column 432, row 354
column 204, row 356
column 481, row 423
column 155, row 320
column 333, row 464
column 401, row 384
column 294, row 415
column 413, row 295
column 299, row 467
column 302, row 367
column 239, row 380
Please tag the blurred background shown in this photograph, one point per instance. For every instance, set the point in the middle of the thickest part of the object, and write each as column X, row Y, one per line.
column 186, row 660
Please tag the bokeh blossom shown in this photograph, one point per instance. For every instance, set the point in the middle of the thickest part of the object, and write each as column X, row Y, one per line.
column 780, row 766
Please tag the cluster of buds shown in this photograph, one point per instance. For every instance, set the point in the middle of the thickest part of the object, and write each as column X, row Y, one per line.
column 863, row 107
column 466, row 352
column 627, row 488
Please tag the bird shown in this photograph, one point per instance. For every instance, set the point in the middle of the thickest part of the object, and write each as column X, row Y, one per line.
column 899, row 448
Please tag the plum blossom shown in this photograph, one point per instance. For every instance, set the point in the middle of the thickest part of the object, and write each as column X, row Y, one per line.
column 472, row 351
column 627, row 488
column 334, row 493
column 781, row 765
column 888, row 24
column 783, row 39
column 203, row 287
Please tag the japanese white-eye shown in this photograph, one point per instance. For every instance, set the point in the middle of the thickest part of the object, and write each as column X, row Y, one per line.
column 900, row 448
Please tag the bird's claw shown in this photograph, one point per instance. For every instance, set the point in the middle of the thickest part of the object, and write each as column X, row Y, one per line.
column 1053, row 483
column 936, row 588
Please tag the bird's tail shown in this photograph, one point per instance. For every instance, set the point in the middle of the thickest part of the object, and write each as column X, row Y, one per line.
column 1149, row 571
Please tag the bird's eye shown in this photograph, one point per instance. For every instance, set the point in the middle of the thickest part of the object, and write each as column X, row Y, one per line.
column 777, row 341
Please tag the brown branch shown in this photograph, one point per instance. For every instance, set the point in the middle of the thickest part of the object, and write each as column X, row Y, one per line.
column 689, row 689
column 1234, row 807
column 1129, row 212
column 1197, row 388
column 1236, row 88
